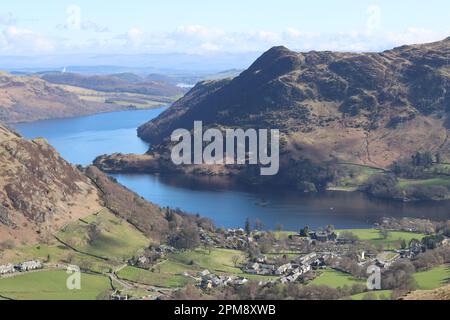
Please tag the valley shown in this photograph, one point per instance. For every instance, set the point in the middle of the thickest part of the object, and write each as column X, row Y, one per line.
column 344, row 125
column 106, row 246
column 352, row 192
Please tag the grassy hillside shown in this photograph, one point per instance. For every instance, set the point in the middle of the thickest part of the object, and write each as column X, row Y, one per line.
column 335, row 279
column 433, row 279
column 113, row 238
column 375, row 295
column 153, row 278
column 391, row 242
column 51, row 285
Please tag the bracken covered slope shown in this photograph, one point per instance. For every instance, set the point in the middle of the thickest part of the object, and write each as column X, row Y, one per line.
column 39, row 191
column 365, row 108
column 437, row 294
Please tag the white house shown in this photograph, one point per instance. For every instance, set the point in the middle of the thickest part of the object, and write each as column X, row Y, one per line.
column 5, row 269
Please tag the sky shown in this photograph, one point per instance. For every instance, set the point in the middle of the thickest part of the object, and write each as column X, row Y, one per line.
column 208, row 26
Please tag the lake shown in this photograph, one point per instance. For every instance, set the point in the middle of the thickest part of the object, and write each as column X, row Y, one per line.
column 80, row 140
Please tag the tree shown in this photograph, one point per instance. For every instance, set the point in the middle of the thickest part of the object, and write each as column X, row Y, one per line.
column 207, row 247
column 259, row 225
column 94, row 233
column 330, row 228
column 248, row 227
column 235, row 260
column 403, row 244
column 349, row 236
column 384, row 233
column 438, row 157
column 187, row 238
column 304, row 232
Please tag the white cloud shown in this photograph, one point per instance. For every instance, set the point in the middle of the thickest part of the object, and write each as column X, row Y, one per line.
column 202, row 39
column 135, row 37
column 198, row 32
column 16, row 39
column 414, row 36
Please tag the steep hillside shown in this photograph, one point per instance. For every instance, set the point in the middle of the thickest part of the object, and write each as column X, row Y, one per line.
column 368, row 108
column 39, row 191
column 114, row 83
column 437, row 294
column 25, row 99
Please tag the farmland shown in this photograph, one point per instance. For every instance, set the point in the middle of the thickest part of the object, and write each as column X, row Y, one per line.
column 433, row 278
column 104, row 235
column 335, row 279
column 51, row 285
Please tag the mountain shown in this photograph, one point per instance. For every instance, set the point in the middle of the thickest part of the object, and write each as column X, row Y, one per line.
column 343, row 117
column 30, row 98
column 114, row 83
column 40, row 193
column 364, row 108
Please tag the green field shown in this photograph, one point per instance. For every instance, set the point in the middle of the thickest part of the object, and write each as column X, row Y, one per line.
column 156, row 278
column 219, row 260
column 51, row 285
column 170, row 272
column 62, row 254
column 280, row 235
column 375, row 295
column 352, row 176
column 372, row 235
column 442, row 181
column 433, row 279
column 335, row 279
column 391, row 242
column 117, row 239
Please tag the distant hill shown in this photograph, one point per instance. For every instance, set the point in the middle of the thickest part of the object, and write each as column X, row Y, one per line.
column 124, row 82
column 193, row 78
column 27, row 98
column 128, row 77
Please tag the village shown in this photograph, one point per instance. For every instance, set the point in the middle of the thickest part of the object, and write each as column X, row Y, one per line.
column 294, row 258
column 234, row 258
column 21, row 267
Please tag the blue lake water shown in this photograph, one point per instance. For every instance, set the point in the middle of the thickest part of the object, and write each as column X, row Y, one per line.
column 80, row 140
